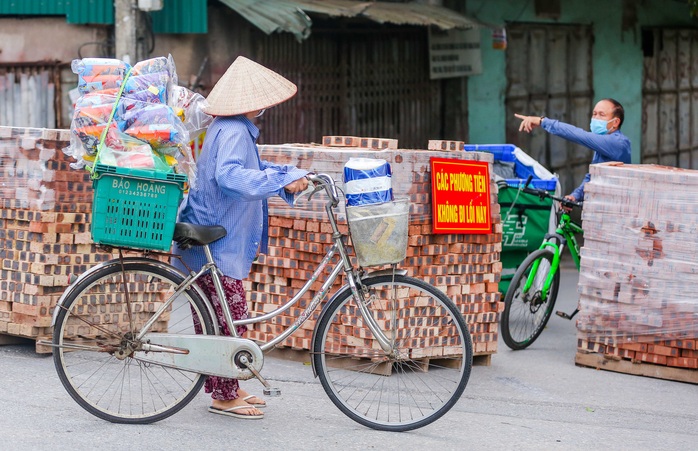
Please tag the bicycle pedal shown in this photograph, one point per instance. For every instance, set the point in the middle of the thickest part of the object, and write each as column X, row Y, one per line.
column 271, row 391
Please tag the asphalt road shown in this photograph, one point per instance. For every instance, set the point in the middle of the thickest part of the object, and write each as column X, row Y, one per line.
column 536, row 399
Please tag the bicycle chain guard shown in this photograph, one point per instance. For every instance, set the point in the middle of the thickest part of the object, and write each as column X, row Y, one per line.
column 198, row 351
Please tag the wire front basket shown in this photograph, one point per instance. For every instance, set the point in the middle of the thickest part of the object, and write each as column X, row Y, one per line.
column 379, row 232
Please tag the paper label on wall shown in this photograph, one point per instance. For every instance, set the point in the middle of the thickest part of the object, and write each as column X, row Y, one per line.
column 454, row 53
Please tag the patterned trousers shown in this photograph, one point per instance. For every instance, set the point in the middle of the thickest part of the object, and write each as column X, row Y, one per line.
column 220, row 387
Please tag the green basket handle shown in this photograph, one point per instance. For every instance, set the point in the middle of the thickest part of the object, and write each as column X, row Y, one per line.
column 100, row 146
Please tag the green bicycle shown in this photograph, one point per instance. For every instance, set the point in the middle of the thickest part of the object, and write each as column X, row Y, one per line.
column 531, row 296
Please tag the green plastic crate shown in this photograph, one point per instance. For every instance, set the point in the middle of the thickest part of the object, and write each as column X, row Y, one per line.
column 135, row 208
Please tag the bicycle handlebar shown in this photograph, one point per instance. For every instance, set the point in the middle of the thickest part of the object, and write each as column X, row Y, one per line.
column 541, row 193
column 319, row 182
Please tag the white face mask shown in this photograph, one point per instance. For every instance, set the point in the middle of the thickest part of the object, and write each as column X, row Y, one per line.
column 261, row 112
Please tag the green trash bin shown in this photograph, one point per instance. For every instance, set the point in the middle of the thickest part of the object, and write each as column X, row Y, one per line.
column 525, row 222
column 525, row 217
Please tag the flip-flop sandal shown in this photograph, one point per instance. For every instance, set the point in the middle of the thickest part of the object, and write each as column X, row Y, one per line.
column 258, row 406
column 231, row 413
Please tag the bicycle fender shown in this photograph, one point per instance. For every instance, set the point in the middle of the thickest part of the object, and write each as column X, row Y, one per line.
column 322, row 314
column 116, row 261
column 385, row 272
column 556, row 236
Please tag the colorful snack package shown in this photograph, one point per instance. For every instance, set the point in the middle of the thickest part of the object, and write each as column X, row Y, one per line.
column 92, row 115
column 153, row 65
column 89, row 138
column 94, row 108
column 123, row 151
column 149, row 113
column 90, row 135
column 92, row 83
column 157, row 135
column 94, row 66
column 150, row 95
column 96, row 74
column 144, row 130
column 149, row 87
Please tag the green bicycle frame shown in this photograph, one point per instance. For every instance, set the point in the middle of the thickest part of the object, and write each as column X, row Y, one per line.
column 567, row 230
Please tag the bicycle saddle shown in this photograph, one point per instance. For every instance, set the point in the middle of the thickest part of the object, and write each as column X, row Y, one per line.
column 187, row 235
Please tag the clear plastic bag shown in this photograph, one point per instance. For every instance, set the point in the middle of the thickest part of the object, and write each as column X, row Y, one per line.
column 123, row 151
column 190, row 106
column 135, row 117
column 157, row 125
column 379, row 232
column 98, row 74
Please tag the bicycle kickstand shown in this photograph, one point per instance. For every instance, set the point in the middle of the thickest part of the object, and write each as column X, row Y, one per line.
column 565, row 315
column 268, row 389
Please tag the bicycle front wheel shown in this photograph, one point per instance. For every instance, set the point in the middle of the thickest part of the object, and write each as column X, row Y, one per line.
column 95, row 350
column 525, row 311
column 415, row 382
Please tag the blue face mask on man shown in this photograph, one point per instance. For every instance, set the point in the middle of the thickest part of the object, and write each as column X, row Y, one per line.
column 598, row 126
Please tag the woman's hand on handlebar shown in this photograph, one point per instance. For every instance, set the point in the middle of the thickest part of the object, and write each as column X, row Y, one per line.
column 297, row 186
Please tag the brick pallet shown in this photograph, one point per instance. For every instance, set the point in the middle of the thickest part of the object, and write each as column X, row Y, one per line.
column 42, row 228
column 466, row 267
column 45, row 223
column 638, row 310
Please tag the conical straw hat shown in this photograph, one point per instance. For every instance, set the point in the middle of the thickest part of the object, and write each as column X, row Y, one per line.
column 247, row 86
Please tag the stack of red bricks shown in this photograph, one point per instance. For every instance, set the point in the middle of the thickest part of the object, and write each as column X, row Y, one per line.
column 638, row 308
column 466, row 267
column 45, row 223
column 44, row 228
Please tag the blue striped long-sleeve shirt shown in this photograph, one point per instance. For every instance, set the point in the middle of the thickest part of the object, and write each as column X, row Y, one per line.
column 610, row 147
column 232, row 188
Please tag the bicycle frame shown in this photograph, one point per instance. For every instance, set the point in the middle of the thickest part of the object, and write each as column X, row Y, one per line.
column 338, row 247
column 566, row 232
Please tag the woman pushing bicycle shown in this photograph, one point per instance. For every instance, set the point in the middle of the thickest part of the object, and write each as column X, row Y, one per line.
column 605, row 137
column 233, row 185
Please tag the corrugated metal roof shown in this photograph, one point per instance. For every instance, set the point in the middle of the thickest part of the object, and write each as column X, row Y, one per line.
column 89, row 11
column 290, row 15
column 181, row 16
column 419, row 14
column 76, row 11
column 32, row 7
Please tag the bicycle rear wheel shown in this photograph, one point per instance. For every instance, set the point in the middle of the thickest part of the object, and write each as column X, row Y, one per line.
column 525, row 312
column 95, row 350
column 410, row 387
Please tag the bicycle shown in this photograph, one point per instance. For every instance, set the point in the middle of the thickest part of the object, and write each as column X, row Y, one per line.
column 134, row 337
column 531, row 296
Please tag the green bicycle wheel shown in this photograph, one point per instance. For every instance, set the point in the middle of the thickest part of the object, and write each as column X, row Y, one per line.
column 525, row 311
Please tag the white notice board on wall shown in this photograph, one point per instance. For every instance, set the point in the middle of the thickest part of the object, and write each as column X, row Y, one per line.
column 454, row 53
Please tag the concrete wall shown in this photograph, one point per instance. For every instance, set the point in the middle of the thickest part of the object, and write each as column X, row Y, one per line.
column 46, row 38
column 189, row 50
column 617, row 56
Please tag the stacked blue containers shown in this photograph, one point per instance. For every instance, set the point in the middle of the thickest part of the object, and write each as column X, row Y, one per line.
column 505, row 153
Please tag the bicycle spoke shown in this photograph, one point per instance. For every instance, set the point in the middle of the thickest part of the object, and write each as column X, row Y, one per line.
column 104, row 376
column 526, row 312
column 91, row 324
column 414, row 383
